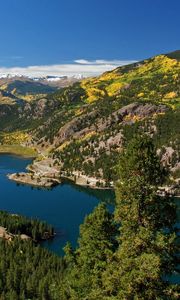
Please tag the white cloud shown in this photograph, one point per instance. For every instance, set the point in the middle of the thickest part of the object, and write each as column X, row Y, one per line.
column 79, row 66
column 103, row 62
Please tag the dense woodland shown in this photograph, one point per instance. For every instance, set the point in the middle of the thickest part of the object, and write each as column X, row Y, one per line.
column 28, row 271
column 34, row 228
column 127, row 255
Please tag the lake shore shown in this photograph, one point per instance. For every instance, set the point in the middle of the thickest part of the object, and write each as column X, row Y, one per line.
column 33, row 180
column 45, row 173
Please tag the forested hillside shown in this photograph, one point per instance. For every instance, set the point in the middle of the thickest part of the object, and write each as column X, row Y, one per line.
column 84, row 127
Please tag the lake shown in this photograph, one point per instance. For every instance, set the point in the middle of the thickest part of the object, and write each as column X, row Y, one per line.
column 64, row 207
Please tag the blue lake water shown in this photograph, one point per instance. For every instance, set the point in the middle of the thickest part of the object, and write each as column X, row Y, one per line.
column 64, row 206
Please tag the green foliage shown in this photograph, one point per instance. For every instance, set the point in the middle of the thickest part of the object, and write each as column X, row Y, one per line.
column 89, row 260
column 128, row 256
column 147, row 242
column 28, row 271
column 17, row 224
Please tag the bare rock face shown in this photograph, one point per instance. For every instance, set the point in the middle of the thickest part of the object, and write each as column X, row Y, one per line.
column 76, row 128
column 167, row 155
column 136, row 109
column 79, row 126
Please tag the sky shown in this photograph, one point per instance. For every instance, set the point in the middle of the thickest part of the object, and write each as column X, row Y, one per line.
column 67, row 37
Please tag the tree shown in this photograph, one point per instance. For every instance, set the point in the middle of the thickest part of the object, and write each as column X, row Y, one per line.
column 87, row 263
column 147, row 248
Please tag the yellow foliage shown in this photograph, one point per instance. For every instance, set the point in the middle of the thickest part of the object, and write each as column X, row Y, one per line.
column 170, row 95
column 155, row 115
column 140, row 95
column 175, row 76
column 16, row 137
column 111, row 83
column 87, row 136
column 94, row 93
column 3, row 87
column 60, row 148
column 78, row 112
column 130, row 117
column 109, row 76
column 114, row 88
column 152, row 93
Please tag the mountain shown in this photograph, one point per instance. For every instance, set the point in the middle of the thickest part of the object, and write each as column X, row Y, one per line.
column 84, row 127
column 30, row 88
column 174, row 55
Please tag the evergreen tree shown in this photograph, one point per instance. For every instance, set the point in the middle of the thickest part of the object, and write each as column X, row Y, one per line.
column 87, row 263
column 147, row 249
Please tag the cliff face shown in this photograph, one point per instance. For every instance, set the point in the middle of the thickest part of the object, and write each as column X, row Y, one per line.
column 84, row 126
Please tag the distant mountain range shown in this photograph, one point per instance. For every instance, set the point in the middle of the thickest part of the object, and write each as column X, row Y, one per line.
column 20, row 85
column 39, row 78
column 85, row 124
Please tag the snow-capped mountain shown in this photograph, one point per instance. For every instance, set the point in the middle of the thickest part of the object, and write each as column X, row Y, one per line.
column 50, row 78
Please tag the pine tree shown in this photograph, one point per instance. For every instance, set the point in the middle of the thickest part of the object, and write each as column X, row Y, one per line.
column 87, row 263
column 147, row 248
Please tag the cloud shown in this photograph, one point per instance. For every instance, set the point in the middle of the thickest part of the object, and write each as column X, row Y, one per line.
column 103, row 62
column 79, row 66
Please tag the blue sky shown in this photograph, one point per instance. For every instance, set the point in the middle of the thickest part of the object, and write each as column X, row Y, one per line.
column 84, row 35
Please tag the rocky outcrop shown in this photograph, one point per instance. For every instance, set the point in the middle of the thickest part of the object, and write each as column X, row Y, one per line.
column 4, row 234
column 79, row 126
column 132, row 111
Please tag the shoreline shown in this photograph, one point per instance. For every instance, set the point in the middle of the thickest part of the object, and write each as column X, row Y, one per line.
column 49, row 182
column 93, row 187
column 26, row 179
column 44, row 174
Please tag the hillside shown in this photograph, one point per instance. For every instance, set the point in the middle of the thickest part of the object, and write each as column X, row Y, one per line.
column 84, row 127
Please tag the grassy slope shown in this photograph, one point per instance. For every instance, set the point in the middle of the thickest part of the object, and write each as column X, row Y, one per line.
column 18, row 150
